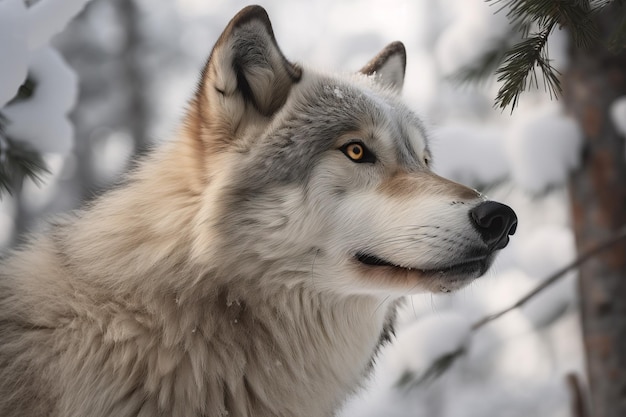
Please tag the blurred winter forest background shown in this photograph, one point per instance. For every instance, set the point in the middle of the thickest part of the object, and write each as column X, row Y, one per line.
column 102, row 81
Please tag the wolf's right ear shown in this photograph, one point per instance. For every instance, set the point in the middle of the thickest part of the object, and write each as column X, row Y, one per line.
column 388, row 66
column 246, row 71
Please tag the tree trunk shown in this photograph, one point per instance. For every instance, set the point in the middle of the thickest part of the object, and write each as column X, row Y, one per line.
column 595, row 78
column 137, row 114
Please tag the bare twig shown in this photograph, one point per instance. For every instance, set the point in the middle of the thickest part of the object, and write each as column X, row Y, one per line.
column 577, row 396
column 446, row 360
column 584, row 257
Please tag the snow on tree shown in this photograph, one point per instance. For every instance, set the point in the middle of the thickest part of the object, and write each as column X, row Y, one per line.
column 37, row 88
column 618, row 115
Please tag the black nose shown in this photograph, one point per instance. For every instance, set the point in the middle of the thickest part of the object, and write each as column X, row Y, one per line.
column 495, row 222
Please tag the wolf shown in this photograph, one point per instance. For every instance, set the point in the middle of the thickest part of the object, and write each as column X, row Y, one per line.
column 253, row 265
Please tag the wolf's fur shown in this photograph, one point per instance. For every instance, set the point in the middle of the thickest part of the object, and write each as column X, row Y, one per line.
column 222, row 278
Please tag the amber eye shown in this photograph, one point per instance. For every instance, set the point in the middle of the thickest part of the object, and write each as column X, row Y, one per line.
column 357, row 152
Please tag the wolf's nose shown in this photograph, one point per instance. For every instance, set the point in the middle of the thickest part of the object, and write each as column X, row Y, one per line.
column 495, row 222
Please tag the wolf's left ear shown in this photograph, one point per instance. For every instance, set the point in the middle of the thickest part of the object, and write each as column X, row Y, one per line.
column 246, row 70
column 388, row 66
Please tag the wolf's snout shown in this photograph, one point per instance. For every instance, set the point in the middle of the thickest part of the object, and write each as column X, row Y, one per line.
column 495, row 222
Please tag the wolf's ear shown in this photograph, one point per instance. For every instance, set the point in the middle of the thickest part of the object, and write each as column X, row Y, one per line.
column 246, row 70
column 388, row 66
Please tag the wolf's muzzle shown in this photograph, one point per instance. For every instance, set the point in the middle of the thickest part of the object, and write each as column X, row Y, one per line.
column 495, row 222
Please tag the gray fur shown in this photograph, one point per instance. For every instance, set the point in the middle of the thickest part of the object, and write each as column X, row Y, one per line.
column 222, row 278
column 309, row 126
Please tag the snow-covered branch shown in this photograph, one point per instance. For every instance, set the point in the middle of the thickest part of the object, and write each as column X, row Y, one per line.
column 38, row 122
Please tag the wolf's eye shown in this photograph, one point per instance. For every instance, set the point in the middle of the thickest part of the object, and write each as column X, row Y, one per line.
column 357, row 152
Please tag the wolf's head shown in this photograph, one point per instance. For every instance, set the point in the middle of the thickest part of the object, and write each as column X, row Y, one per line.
column 324, row 181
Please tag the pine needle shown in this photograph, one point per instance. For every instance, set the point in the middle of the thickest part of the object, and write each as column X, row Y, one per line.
column 518, row 67
column 518, row 70
column 17, row 162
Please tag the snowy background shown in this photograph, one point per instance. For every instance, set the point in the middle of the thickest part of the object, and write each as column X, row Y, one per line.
column 133, row 65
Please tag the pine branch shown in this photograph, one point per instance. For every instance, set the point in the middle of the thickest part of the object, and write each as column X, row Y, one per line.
column 618, row 40
column 446, row 360
column 518, row 70
column 576, row 15
column 17, row 162
column 597, row 5
column 518, row 67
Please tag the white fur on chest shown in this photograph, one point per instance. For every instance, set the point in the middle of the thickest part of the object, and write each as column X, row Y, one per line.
column 292, row 354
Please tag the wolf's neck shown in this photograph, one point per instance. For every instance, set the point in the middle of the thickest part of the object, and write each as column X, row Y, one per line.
column 293, row 350
column 137, row 232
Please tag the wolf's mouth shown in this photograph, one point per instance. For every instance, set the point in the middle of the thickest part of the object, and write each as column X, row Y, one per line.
column 373, row 260
column 470, row 266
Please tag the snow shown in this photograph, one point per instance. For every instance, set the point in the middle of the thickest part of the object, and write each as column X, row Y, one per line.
column 464, row 40
column 13, row 48
column 111, row 150
column 47, row 18
column 24, row 36
column 54, row 96
column 469, row 153
column 541, row 254
column 542, row 147
column 423, row 342
column 545, row 250
column 35, row 195
column 618, row 115
column 537, row 149
column 7, row 214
